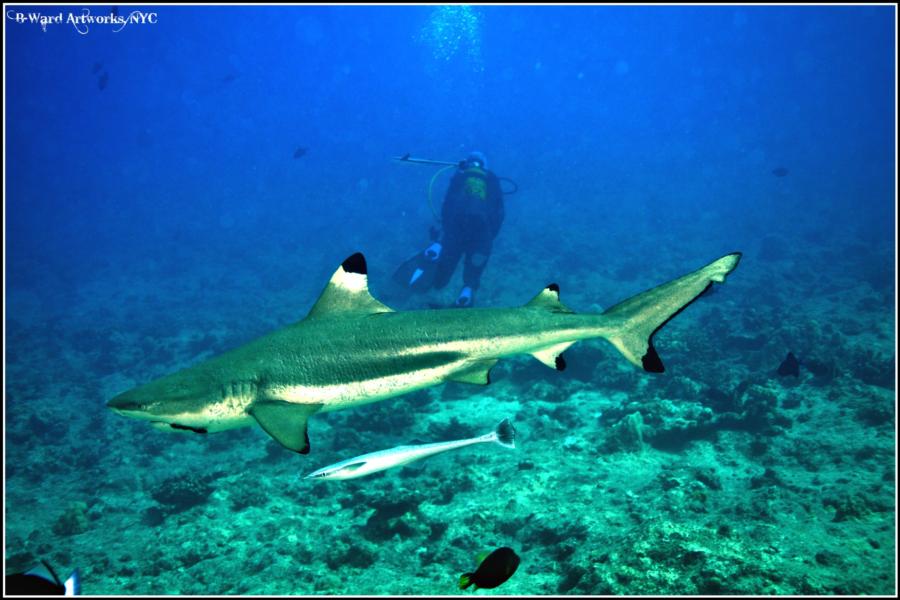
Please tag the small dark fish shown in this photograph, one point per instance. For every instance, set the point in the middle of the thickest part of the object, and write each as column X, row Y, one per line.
column 780, row 172
column 789, row 366
column 42, row 581
column 103, row 80
column 300, row 151
column 493, row 571
column 96, row 68
column 229, row 78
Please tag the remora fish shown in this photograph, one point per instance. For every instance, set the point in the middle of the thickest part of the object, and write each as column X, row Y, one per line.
column 359, row 466
column 351, row 349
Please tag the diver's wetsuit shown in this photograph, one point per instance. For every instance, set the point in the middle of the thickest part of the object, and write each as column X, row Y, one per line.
column 471, row 218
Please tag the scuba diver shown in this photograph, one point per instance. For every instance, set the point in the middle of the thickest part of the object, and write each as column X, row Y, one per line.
column 471, row 217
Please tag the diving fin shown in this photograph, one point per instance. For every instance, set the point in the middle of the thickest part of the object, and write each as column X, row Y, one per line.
column 416, row 273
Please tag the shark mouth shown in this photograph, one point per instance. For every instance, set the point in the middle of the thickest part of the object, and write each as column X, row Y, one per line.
column 180, row 427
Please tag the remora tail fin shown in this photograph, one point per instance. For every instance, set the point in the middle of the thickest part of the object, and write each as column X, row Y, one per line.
column 505, row 434
column 635, row 320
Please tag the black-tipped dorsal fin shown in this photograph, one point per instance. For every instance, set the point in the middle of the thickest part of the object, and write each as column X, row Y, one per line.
column 347, row 292
column 549, row 298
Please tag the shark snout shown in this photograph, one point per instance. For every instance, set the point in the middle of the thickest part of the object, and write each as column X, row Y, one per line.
column 126, row 402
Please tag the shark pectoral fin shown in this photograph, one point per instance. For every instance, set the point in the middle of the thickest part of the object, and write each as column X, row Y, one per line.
column 552, row 356
column 285, row 422
column 549, row 299
column 347, row 292
column 478, row 372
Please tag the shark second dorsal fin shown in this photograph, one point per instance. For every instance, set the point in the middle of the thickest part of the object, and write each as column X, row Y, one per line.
column 549, row 299
column 285, row 422
column 347, row 292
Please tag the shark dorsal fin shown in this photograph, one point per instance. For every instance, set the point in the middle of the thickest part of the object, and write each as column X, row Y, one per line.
column 347, row 292
column 549, row 298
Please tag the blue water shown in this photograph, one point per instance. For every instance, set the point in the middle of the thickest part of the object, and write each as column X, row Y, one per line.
column 156, row 215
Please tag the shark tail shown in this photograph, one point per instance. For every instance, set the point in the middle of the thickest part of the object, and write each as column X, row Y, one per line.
column 634, row 321
column 505, row 434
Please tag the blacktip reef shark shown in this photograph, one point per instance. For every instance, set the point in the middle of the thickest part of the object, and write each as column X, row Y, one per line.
column 373, row 462
column 351, row 350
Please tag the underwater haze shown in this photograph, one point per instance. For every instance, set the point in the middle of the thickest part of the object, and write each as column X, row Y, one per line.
column 182, row 180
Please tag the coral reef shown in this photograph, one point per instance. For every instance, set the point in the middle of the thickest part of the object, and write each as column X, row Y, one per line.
column 182, row 492
column 73, row 521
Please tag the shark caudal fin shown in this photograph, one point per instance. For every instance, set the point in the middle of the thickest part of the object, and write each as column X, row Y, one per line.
column 636, row 320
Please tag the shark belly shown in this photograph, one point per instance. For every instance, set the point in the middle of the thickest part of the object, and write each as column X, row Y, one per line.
column 343, row 378
column 230, row 413
column 339, row 396
column 203, row 423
